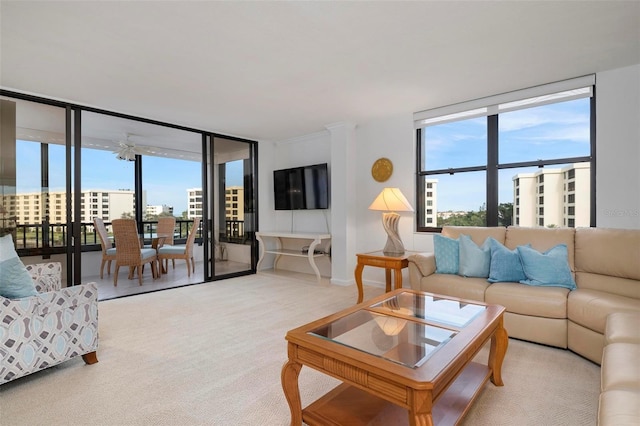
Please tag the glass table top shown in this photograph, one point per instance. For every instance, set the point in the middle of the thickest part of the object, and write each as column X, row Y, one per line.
column 444, row 312
column 406, row 329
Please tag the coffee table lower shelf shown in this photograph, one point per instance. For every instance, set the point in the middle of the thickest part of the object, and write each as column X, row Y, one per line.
column 348, row 405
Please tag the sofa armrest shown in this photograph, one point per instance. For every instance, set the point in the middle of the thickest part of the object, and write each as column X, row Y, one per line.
column 46, row 276
column 425, row 262
column 40, row 331
column 70, row 298
column 420, row 265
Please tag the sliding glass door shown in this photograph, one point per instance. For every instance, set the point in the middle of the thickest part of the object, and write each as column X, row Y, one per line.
column 232, row 206
column 35, row 174
column 64, row 165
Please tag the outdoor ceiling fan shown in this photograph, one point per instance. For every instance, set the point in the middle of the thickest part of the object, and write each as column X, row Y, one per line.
column 127, row 150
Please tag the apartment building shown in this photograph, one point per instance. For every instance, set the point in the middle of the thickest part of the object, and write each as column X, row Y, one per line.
column 194, row 203
column 431, row 202
column 35, row 207
column 234, row 203
column 159, row 210
column 553, row 197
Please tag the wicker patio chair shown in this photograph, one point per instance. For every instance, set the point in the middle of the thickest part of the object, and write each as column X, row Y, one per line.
column 166, row 228
column 182, row 251
column 108, row 251
column 129, row 253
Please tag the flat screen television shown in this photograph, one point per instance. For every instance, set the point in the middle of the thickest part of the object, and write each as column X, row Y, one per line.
column 301, row 188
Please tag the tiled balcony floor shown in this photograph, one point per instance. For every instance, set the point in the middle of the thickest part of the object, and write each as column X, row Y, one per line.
column 173, row 278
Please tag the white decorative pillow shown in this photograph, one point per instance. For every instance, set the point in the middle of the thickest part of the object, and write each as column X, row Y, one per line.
column 15, row 281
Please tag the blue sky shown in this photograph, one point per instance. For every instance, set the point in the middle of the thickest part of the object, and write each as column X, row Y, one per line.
column 165, row 180
column 551, row 131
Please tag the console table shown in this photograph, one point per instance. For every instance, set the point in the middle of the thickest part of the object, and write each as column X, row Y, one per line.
column 279, row 251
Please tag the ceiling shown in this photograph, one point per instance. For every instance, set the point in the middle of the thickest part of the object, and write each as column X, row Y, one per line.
column 277, row 70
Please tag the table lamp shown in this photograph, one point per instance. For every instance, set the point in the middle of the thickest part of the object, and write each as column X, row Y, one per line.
column 390, row 201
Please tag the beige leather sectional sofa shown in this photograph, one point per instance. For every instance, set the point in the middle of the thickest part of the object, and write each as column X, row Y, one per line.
column 620, row 383
column 606, row 266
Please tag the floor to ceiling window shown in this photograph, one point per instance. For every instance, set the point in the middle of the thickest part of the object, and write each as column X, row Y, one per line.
column 233, row 198
column 34, row 177
column 124, row 168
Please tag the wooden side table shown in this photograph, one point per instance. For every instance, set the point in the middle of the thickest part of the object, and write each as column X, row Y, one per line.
column 390, row 263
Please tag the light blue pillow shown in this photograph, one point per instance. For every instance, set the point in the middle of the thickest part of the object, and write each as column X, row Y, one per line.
column 550, row 268
column 447, row 254
column 474, row 260
column 15, row 281
column 505, row 264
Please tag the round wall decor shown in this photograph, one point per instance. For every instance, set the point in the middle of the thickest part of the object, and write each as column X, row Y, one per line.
column 382, row 169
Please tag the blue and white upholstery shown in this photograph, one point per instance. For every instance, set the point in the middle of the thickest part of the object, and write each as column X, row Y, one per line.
column 41, row 331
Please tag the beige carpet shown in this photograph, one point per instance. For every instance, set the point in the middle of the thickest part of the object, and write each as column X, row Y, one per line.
column 211, row 354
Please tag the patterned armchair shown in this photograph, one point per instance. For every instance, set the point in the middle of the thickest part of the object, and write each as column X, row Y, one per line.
column 41, row 331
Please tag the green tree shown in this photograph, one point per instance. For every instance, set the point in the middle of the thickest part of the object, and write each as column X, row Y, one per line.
column 470, row 218
column 505, row 214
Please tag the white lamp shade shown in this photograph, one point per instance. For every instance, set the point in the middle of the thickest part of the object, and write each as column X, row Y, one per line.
column 391, row 200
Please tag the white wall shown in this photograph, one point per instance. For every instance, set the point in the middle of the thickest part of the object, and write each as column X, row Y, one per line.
column 302, row 151
column 618, row 148
column 618, row 166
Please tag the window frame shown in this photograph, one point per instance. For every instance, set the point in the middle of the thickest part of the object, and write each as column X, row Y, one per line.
column 493, row 167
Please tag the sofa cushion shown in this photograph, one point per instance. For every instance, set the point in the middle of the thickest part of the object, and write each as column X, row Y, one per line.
column 505, row 264
column 619, row 408
column 590, row 308
column 609, row 284
column 477, row 233
column 455, row 286
column 447, row 254
column 618, row 259
column 547, row 302
column 620, row 366
column 15, row 281
column 550, row 268
column 542, row 239
column 474, row 260
column 622, row 327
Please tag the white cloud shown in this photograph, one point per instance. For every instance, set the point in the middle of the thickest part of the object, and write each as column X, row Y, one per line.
column 527, row 119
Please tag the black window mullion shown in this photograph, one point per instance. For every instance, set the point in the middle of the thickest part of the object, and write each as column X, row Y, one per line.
column 419, row 183
column 138, row 194
column 492, row 170
column 592, row 129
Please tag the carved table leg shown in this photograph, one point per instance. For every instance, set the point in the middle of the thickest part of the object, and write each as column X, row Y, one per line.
column 420, row 407
column 358, row 274
column 499, row 344
column 289, row 378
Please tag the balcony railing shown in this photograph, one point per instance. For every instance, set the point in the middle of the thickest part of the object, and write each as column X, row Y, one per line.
column 44, row 238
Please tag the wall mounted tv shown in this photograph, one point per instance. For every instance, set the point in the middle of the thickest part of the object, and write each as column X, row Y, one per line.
column 301, row 188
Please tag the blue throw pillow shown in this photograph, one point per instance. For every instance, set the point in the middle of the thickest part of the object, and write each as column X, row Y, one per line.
column 447, row 254
column 474, row 260
column 15, row 281
column 505, row 264
column 550, row 268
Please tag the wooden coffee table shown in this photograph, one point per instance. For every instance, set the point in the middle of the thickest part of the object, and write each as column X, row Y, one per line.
column 405, row 357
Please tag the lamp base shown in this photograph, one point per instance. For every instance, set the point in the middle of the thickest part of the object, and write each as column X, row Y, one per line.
column 394, row 245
